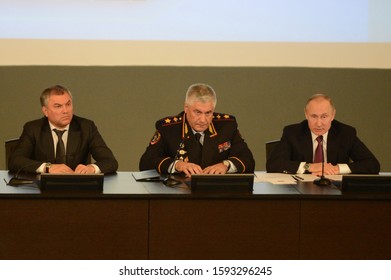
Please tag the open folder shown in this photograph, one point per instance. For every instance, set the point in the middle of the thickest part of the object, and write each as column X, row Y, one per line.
column 147, row 176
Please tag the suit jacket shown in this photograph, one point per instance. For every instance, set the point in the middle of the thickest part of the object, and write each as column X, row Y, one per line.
column 36, row 146
column 343, row 146
column 222, row 141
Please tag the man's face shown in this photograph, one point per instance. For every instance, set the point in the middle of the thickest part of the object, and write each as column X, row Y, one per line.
column 319, row 114
column 59, row 110
column 199, row 115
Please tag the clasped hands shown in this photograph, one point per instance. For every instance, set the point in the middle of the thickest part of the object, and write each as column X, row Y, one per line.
column 63, row 168
column 329, row 169
column 191, row 168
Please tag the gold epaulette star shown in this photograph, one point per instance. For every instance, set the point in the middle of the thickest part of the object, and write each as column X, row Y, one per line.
column 167, row 120
column 226, row 116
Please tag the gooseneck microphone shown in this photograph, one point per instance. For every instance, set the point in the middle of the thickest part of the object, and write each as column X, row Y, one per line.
column 322, row 181
column 170, row 181
column 16, row 181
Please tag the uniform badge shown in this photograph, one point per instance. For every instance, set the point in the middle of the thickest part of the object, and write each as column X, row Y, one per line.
column 224, row 146
column 182, row 154
column 156, row 138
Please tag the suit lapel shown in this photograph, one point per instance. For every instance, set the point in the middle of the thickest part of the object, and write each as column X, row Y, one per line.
column 47, row 142
column 332, row 145
column 306, row 144
column 73, row 142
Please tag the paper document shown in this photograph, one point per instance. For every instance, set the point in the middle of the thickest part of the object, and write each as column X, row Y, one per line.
column 282, row 178
column 274, row 178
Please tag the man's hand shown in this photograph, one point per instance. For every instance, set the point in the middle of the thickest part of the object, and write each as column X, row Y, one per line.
column 188, row 168
column 329, row 169
column 218, row 168
column 84, row 169
column 60, row 169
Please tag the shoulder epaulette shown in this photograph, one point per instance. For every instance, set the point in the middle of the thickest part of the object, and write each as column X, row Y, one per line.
column 222, row 117
column 178, row 119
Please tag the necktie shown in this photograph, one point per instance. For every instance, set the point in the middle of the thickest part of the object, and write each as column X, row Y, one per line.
column 60, row 151
column 197, row 152
column 198, row 137
column 318, row 152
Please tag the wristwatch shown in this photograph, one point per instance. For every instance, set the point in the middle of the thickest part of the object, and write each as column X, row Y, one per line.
column 47, row 167
column 307, row 167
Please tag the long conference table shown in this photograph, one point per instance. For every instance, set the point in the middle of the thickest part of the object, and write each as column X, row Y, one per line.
column 147, row 220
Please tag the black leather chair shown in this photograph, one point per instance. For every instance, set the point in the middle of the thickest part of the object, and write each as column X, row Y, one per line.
column 10, row 146
column 270, row 145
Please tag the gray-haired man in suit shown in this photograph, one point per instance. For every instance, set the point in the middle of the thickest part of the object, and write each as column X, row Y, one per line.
column 61, row 142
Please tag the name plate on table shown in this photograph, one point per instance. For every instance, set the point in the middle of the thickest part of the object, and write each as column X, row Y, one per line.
column 224, row 183
column 71, row 182
column 366, row 184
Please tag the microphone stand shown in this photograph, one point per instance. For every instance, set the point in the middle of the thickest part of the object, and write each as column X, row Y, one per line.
column 322, row 181
column 16, row 181
column 169, row 181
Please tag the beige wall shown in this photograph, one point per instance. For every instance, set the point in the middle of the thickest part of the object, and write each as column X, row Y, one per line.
column 126, row 101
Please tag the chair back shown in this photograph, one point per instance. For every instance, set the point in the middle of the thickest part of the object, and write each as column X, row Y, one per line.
column 10, row 146
column 270, row 145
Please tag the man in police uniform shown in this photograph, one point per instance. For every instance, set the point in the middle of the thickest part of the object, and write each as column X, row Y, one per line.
column 198, row 140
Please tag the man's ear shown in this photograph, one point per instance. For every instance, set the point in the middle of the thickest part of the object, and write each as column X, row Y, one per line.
column 44, row 110
column 335, row 111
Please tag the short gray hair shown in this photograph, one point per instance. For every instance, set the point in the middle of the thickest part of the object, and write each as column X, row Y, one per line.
column 202, row 93
column 57, row 90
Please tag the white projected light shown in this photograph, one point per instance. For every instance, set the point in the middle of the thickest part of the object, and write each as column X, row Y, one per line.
column 201, row 21
column 187, row 20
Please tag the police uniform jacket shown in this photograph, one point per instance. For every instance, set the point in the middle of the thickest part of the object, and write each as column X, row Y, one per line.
column 174, row 139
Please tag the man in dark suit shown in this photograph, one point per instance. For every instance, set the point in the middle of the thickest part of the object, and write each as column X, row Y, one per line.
column 61, row 142
column 219, row 148
column 343, row 151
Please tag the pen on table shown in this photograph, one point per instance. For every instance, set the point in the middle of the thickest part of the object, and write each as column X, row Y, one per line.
column 297, row 178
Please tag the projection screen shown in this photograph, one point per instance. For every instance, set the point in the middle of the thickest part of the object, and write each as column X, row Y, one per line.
column 314, row 33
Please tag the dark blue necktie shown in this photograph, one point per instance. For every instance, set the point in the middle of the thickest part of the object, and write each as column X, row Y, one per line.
column 60, row 150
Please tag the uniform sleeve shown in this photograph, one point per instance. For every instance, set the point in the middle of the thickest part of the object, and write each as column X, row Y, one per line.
column 240, row 154
column 156, row 155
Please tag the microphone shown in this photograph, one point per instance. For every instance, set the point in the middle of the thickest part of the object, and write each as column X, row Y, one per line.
column 322, row 181
column 16, row 181
column 169, row 181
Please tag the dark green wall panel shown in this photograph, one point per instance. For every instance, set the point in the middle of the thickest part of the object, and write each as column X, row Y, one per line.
column 126, row 101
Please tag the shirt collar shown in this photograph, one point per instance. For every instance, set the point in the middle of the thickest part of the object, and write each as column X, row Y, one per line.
column 54, row 127
column 314, row 136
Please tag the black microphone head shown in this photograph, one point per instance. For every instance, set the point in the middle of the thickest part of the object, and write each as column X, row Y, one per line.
column 170, row 182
